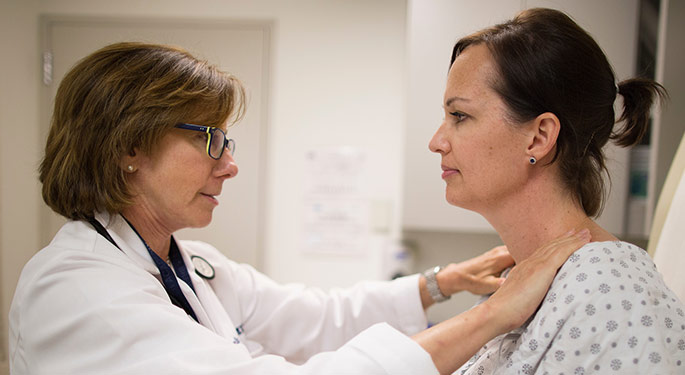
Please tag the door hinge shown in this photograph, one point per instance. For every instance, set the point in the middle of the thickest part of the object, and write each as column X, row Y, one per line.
column 47, row 68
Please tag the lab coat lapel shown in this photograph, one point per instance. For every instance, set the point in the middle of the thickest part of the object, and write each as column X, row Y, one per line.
column 205, row 300
column 131, row 245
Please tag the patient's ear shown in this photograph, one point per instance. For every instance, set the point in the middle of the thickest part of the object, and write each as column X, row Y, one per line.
column 544, row 132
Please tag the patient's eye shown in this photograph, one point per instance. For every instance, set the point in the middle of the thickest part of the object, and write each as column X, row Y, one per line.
column 459, row 116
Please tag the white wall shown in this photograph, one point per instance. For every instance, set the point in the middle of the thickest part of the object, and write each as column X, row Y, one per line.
column 337, row 79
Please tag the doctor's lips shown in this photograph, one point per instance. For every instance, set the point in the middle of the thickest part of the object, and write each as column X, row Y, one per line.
column 211, row 197
column 447, row 171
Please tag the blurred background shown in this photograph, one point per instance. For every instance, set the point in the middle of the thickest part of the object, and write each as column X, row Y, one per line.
column 336, row 182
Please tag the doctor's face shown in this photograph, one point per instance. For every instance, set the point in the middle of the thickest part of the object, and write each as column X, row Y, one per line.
column 482, row 152
column 178, row 185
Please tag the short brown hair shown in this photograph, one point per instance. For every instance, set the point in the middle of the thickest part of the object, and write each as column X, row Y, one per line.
column 122, row 97
column 545, row 62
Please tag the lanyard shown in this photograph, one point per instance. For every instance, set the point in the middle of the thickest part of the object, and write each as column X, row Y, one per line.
column 169, row 280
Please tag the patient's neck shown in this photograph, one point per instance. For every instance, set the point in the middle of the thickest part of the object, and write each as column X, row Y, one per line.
column 538, row 214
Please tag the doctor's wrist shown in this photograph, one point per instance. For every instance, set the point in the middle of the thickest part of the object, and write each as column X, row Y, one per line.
column 451, row 280
column 434, row 286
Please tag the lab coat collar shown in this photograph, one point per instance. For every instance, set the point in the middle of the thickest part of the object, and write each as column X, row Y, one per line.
column 127, row 240
column 131, row 245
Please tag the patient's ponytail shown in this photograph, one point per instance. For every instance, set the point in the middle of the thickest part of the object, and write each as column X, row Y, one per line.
column 638, row 95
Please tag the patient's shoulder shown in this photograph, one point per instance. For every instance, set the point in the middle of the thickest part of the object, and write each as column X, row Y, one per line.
column 607, row 310
column 609, row 275
column 612, row 262
column 608, row 307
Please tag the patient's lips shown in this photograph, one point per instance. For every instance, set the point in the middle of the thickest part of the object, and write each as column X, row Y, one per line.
column 447, row 171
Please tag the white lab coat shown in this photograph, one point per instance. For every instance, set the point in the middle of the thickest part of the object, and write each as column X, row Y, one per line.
column 82, row 306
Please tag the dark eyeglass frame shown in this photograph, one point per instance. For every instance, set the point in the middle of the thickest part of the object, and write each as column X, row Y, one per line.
column 229, row 143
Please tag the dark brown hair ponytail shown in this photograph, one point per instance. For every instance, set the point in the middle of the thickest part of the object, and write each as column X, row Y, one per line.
column 639, row 95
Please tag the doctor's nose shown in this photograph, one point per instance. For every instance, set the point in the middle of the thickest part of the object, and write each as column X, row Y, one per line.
column 226, row 166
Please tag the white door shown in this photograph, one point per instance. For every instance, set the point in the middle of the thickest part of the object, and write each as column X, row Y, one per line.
column 238, row 48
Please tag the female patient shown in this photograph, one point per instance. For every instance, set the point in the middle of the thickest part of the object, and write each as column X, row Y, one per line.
column 529, row 105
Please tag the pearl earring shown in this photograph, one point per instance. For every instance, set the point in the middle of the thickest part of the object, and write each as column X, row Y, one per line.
column 130, row 168
column 533, row 160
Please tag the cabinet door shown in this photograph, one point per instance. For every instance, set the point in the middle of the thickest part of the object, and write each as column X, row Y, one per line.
column 241, row 49
column 434, row 28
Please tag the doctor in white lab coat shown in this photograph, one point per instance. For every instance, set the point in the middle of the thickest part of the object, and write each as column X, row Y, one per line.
column 114, row 293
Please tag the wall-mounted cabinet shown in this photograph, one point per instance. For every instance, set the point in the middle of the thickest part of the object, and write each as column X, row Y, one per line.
column 433, row 27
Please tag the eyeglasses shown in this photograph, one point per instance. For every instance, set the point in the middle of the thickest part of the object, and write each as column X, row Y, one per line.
column 216, row 139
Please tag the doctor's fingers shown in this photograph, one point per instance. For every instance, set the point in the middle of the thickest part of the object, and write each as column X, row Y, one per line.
column 557, row 251
column 492, row 262
column 478, row 275
column 496, row 260
column 483, row 284
column 551, row 256
column 528, row 281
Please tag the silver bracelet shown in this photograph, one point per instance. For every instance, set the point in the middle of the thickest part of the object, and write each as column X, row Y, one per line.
column 432, row 284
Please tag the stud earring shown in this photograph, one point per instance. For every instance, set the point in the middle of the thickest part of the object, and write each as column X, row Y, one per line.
column 533, row 160
column 130, row 168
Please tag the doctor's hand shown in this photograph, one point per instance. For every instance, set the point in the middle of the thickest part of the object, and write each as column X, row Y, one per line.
column 527, row 283
column 479, row 275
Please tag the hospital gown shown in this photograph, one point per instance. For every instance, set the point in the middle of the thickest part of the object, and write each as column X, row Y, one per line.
column 608, row 311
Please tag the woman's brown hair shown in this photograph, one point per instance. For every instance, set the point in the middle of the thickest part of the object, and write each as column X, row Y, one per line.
column 123, row 97
column 545, row 62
